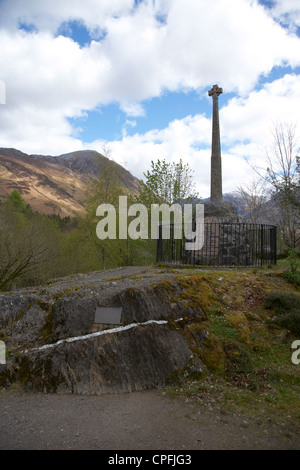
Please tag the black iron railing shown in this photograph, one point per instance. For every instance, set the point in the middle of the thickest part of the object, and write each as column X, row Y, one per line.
column 225, row 244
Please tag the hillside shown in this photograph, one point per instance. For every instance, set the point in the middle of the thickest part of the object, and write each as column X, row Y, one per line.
column 54, row 184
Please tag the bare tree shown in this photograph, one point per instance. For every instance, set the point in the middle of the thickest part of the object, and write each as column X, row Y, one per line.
column 282, row 159
column 282, row 173
column 254, row 198
column 107, row 185
column 26, row 248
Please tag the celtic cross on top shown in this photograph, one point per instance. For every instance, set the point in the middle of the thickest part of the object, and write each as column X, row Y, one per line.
column 215, row 91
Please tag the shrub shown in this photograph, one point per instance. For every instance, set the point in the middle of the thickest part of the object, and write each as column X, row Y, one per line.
column 238, row 359
column 292, row 273
column 282, row 302
column 290, row 321
column 287, row 307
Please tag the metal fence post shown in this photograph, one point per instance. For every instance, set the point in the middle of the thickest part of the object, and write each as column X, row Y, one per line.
column 261, row 244
column 159, row 244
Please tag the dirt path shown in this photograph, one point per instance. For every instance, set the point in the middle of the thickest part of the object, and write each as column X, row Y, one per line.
column 147, row 420
column 103, row 275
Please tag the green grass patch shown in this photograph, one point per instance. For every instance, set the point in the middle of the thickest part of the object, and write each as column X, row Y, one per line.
column 220, row 327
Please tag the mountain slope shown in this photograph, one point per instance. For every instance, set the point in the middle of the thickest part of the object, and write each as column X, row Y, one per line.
column 55, row 184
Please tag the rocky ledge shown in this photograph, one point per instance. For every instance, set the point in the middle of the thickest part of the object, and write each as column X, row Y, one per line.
column 51, row 345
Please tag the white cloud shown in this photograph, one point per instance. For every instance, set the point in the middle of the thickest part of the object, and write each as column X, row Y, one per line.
column 246, row 125
column 140, row 57
column 251, row 118
column 130, row 122
column 132, row 109
column 287, row 12
column 180, row 139
column 2, row 92
column 230, row 42
column 34, row 131
column 48, row 16
column 50, row 72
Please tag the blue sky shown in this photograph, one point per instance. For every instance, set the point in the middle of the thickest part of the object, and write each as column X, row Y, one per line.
column 109, row 122
column 131, row 78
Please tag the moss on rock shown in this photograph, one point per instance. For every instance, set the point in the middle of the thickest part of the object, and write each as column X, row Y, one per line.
column 197, row 291
column 239, row 321
column 207, row 346
column 213, row 354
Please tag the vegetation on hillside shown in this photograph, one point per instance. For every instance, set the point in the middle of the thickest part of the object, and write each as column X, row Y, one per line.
column 253, row 319
column 35, row 248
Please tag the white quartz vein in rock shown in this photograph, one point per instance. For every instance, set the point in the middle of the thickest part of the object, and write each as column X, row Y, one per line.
column 97, row 333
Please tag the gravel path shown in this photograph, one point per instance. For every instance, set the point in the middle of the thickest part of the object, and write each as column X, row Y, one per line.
column 148, row 420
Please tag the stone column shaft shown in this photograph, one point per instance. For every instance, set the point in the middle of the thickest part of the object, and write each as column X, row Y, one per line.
column 216, row 164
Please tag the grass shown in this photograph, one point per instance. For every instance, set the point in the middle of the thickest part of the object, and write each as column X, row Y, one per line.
column 220, row 327
column 259, row 376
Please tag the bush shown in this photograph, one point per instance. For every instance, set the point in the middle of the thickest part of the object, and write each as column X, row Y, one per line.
column 292, row 274
column 238, row 359
column 282, row 302
column 287, row 307
column 290, row 321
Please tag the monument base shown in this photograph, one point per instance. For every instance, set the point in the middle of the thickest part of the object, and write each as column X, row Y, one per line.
column 221, row 210
column 226, row 242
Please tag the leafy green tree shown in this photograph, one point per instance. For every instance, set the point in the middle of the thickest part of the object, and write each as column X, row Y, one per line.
column 167, row 183
column 106, row 188
column 15, row 202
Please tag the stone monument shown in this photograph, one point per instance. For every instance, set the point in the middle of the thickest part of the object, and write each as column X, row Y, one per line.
column 216, row 207
column 216, row 164
column 223, row 240
column 228, row 239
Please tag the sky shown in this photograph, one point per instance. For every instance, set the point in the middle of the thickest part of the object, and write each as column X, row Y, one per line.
column 130, row 78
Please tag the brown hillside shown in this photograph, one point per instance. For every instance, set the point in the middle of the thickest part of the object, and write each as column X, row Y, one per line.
column 54, row 184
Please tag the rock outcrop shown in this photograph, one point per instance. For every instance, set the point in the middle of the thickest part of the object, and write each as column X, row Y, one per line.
column 135, row 359
column 48, row 332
